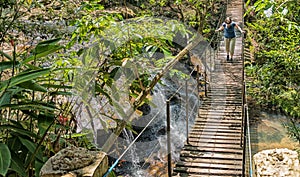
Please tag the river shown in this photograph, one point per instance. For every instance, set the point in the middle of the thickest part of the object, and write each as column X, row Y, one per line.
column 268, row 132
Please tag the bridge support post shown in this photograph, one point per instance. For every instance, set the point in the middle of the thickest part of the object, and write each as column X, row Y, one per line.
column 169, row 139
column 198, row 88
column 205, row 74
column 187, row 110
column 244, row 142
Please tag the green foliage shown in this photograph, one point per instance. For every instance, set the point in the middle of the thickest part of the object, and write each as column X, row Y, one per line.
column 32, row 120
column 5, row 159
column 275, row 73
column 36, row 114
column 199, row 14
column 293, row 129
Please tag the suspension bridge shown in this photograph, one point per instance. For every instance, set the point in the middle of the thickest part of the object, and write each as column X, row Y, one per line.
column 215, row 145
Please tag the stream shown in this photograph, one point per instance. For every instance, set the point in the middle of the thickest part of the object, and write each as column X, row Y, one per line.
column 147, row 156
column 268, row 132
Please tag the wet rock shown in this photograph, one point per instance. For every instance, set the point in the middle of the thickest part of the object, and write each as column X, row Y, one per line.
column 145, row 108
column 277, row 163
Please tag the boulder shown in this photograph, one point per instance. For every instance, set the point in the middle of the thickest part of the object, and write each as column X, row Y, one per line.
column 277, row 163
column 75, row 161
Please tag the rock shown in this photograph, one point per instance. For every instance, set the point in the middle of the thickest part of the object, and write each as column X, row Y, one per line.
column 277, row 163
column 75, row 161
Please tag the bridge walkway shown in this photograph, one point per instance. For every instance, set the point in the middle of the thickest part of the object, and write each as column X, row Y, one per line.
column 214, row 142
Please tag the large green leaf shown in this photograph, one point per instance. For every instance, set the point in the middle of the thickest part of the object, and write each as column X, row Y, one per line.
column 33, row 86
column 43, row 49
column 56, row 86
column 18, row 130
column 60, row 93
column 5, row 159
column 14, row 143
column 30, row 106
column 17, row 165
column 31, row 146
column 38, row 166
column 6, row 55
column 49, row 42
column 44, row 121
column 6, row 65
column 51, row 49
column 28, row 144
column 23, row 77
column 5, row 98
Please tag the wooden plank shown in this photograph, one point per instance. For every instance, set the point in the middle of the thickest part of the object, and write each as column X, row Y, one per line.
column 216, row 127
column 213, row 149
column 212, row 155
column 211, row 166
column 214, row 137
column 211, row 171
column 230, row 134
column 217, row 130
column 214, row 141
column 231, row 120
column 211, row 161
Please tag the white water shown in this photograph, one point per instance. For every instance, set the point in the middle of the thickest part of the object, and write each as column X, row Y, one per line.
column 152, row 145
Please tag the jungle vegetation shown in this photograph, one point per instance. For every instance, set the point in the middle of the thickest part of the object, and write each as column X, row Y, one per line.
column 57, row 56
column 274, row 71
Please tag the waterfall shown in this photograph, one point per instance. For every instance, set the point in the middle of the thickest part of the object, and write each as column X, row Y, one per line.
column 132, row 151
column 151, row 147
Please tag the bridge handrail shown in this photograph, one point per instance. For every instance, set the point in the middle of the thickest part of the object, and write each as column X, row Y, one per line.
column 190, row 46
column 217, row 36
column 245, row 131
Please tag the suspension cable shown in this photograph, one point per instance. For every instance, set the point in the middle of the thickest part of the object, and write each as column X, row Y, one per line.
column 249, row 145
column 130, row 145
column 116, row 162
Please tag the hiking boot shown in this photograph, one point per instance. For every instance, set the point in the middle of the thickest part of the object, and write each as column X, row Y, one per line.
column 227, row 58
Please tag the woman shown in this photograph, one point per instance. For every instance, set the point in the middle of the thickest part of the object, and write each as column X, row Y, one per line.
column 229, row 34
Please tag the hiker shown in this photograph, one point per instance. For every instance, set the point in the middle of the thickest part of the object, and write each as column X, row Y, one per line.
column 230, row 36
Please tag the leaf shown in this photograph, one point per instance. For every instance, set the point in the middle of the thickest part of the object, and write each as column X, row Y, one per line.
column 6, row 55
column 29, row 106
column 17, row 165
column 38, row 166
column 50, row 41
column 31, row 146
column 56, row 86
column 14, row 143
column 76, row 135
column 45, row 46
column 5, row 99
column 31, row 85
column 20, row 131
column 6, row 65
column 5, row 159
column 100, row 91
column 44, row 121
column 43, row 49
column 61, row 93
column 23, row 77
